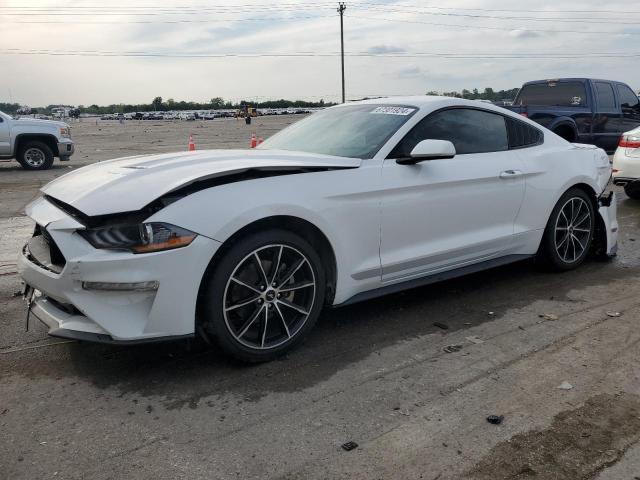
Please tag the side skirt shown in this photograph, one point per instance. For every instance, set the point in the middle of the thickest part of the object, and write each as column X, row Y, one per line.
column 434, row 278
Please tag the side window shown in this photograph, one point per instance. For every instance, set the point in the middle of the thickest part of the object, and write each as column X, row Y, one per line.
column 470, row 131
column 628, row 99
column 522, row 135
column 605, row 96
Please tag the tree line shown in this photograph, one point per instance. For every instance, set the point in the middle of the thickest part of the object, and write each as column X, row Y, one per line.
column 218, row 103
column 158, row 104
column 488, row 94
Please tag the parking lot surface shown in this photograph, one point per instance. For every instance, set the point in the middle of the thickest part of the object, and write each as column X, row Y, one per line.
column 555, row 354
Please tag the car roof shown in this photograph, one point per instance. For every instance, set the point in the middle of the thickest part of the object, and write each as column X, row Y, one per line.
column 431, row 102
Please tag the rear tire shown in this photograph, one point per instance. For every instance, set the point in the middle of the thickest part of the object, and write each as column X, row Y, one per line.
column 259, row 311
column 34, row 155
column 569, row 232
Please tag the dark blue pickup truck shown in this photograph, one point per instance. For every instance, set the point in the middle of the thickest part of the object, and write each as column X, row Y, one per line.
column 581, row 110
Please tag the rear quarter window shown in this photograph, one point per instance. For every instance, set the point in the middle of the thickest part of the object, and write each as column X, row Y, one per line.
column 522, row 135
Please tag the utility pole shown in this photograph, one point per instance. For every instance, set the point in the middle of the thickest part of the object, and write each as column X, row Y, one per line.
column 341, row 8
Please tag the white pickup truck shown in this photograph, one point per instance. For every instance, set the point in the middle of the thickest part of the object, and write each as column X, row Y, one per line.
column 34, row 143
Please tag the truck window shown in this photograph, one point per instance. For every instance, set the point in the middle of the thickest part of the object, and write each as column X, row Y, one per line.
column 606, row 100
column 561, row 94
column 628, row 99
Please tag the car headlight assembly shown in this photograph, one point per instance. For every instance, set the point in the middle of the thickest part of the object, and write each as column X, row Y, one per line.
column 65, row 132
column 140, row 238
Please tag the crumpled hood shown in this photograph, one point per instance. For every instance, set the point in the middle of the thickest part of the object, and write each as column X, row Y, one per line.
column 130, row 183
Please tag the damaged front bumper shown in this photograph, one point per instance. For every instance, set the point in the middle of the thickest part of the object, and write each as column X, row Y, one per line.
column 608, row 209
column 75, row 287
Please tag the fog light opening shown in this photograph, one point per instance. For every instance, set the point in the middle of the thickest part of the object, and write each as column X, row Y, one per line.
column 122, row 287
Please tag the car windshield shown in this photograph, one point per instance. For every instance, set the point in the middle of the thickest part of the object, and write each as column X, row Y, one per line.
column 356, row 131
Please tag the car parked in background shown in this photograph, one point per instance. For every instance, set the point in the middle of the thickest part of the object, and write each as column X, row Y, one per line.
column 356, row 201
column 581, row 110
column 626, row 163
column 34, row 143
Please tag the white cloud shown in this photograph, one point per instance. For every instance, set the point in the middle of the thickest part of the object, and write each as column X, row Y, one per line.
column 524, row 34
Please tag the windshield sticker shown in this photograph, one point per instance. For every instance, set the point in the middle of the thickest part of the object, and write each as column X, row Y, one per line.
column 576, row 100
column 404, row 111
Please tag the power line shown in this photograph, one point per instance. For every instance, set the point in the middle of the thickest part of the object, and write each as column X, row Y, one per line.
column 470, row 55
column 501, row 17
column 402, row 5
column 120, row 22
column 291, row 19
column 288, row 5
column 137, row 11
column 503, row 29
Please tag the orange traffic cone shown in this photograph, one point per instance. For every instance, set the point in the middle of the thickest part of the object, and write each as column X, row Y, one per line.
column 260, row 140
column 192, row 145
column 254, row 141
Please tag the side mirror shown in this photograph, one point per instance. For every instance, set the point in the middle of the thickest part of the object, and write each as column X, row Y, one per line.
column 429, row 150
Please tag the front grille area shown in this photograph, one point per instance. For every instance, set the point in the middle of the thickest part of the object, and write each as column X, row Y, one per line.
column 42, row 250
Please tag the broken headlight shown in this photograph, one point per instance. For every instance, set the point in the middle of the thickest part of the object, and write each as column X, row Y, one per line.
column 140, row 238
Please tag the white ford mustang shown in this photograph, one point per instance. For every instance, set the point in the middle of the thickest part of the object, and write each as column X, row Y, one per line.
column 355, row 201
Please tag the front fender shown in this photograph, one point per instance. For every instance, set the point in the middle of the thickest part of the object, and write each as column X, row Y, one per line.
column 343, row 204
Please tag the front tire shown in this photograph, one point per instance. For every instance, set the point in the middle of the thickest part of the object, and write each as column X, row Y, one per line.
column 264, row 295
column 35, row 155
column 633, row 190
column 569, row 232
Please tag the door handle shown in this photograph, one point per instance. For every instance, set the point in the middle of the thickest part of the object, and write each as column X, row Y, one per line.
column 510, row 174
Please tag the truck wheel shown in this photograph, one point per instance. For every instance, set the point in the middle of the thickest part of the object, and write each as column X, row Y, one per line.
column 35, row 156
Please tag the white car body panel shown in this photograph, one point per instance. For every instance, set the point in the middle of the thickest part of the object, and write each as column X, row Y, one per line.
column 626, row 161
column 446, row 232
column 146, row 314
column 386, row 223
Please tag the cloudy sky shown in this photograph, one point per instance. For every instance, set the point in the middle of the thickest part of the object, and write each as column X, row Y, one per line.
column 112, row 51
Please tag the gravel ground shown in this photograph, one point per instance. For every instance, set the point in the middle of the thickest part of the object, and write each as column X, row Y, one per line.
column 373, row 373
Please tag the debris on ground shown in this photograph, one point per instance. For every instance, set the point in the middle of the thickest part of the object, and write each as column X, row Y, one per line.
column 443, row 326
column 548, row 316
column 491, row 314
column 452, row 348
column 474, row 339
column 613, row 314
column 349, row 446
column 495, row 419
column 565, row 386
